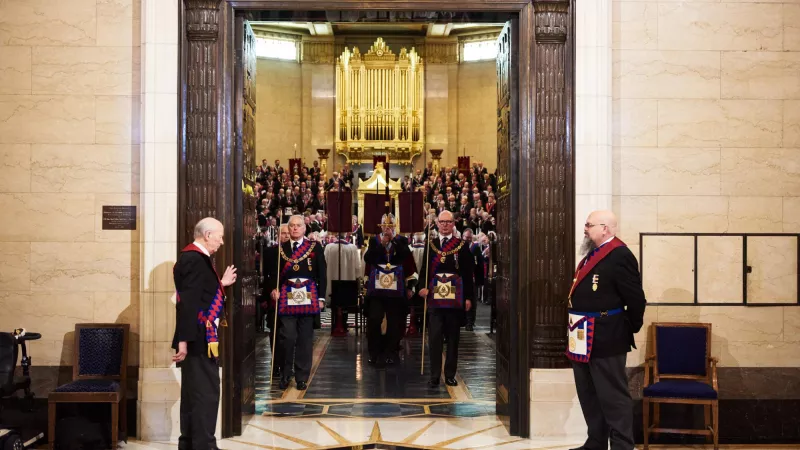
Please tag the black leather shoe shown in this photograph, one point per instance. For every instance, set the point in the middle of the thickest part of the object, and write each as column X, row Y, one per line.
column 433, row 382
column 469, row 327
column 302, row 386
column 451, row 381
column 284, row 383
column 389, row 360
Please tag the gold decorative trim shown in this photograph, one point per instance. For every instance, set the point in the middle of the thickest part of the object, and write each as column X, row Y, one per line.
column 418, row 433
column 338, row 437
column 443, row 52
column 468, row 435
column 285, row 436
column 318, row 52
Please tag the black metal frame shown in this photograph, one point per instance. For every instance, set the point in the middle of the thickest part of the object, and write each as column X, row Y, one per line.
column 746, row 269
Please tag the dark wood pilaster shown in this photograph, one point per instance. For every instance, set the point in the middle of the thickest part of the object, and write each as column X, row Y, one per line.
column 200, row 178
column 552, row 181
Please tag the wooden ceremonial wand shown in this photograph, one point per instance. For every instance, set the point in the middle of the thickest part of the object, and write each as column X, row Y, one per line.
column 425, row 301
column 277, row 285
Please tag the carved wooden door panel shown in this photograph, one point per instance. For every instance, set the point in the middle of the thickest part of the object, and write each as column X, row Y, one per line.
column 507, row 378
column 242, row 371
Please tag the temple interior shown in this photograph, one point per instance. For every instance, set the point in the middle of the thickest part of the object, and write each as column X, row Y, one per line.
column 124, row 122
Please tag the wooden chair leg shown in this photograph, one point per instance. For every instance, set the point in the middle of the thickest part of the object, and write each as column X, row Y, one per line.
column 123, row 418
column 656, row 416
column 646, row 421
column 715, row 413
column 114, row 424
column 51, row 425
column 707, row 419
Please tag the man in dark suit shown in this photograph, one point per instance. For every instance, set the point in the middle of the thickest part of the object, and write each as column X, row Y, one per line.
column 449, row 294
column 606, row 308
column 477, row 254
column 300, row 296
column 201, row 299
column 389, row 268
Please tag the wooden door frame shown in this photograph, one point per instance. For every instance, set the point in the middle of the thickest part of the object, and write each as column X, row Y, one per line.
column 542, row 176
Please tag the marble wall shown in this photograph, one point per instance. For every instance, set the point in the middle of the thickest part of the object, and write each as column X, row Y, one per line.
column 70, row 143
column 477, row 112
column 279, row 113
column 706, row 138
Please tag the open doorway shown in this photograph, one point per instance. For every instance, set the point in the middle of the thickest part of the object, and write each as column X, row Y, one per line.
column 242, row 365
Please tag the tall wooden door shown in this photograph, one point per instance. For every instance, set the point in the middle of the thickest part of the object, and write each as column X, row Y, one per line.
column 510, row 383
column 242, row 369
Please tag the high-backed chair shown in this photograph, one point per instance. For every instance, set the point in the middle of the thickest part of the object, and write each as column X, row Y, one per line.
column 99, row 374
column 683, row 372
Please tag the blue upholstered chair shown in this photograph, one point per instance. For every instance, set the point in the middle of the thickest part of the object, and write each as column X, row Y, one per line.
column 99, row 374
column 683, row 372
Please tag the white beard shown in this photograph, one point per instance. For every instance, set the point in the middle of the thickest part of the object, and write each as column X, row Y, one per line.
column 587, row 246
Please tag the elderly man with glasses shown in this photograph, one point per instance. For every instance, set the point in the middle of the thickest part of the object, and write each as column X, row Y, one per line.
column 449, row 293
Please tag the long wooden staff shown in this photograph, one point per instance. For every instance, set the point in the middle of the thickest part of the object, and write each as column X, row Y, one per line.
column 277, row 285
column 425, row 302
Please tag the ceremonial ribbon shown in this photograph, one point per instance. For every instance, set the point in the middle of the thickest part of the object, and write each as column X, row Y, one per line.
column 295, row 255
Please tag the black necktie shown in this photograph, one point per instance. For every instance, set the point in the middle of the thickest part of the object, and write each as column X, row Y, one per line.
column 444, row 241
column 294, row 247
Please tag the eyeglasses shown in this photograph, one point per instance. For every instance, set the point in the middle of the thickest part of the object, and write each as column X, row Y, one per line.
column 447, row 222
column 590, row 225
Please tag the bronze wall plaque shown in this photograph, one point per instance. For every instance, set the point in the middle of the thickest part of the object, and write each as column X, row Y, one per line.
column 119, row 217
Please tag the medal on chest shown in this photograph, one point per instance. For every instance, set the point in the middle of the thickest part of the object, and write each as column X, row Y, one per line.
column 595, row 279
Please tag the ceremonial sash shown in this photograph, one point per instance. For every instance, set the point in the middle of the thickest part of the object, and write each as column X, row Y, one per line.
column 298, row 297
column 589, row 261
column 386, row 281
column 450, row 246
column 447, row 291
column 208, row 318
column 301, row 250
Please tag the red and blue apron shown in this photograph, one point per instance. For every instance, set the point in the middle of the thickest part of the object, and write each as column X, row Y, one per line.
column 299, row 296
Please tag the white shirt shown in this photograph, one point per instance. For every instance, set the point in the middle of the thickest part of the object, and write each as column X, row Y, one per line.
column 607, row 240
column 204, row 250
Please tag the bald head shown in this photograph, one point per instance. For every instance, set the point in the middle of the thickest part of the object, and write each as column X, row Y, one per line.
column 209, row 233
column 600, row 226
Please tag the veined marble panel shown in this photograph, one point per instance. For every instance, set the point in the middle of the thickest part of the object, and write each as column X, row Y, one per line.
column 719, row 269
column 668, row 269
column 54, row 314
column 791, row 27
column 118, row 119
column 692, row 214
column 761, row 75
column 731, row 323
column 634, row 25
column 44, row 22
column 42, row 119
column 669, row 171
column 719, row 26
column 84, row 267
column 635, row 214
column 791, row 324
column 15, row 70
column 724, row 123
column 118, row 307
column 791, row 215
column 666, row 74
column 774, row 275
column 86, row 70
column 791, row 123
column 85, row 168
column 759, row 354
column 119, row 23
column 15, row 266
column 15, row 168
column 45, row 217
column 636, row 123
column 755, row 215
column 760, row 171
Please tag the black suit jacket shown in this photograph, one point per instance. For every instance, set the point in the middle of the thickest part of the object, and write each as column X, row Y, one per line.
column 196, row 283
column 619, row 285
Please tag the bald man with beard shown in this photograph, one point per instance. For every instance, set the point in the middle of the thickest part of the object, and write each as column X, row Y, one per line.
column 606, row 308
